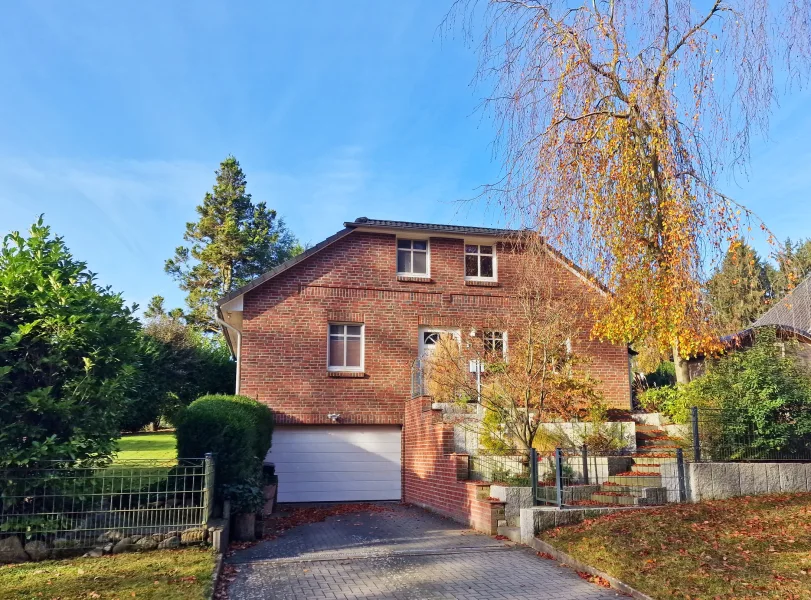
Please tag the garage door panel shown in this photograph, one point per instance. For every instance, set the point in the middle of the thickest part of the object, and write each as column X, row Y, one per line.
column 337, row 463
column 329, row 477
column 333, row 496
column 338, row 467
column 353, row 438
column 338, row 447
column 338, row 486
column 292, row 456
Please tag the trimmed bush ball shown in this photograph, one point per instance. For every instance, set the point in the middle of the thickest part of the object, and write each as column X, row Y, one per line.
column 236, row 429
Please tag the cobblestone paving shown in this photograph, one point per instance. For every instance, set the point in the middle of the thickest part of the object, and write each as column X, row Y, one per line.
column 401, row 554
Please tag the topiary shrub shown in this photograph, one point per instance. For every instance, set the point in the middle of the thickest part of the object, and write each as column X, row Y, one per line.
column 263, row 420
column 236, row 429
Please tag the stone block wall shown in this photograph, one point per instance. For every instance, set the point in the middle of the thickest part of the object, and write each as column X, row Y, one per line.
column 719, row 480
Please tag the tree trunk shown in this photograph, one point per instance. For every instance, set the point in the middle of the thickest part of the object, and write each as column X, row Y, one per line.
column 682, row 368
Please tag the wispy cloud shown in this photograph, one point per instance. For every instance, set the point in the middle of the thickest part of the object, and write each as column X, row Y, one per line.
column 126, row 217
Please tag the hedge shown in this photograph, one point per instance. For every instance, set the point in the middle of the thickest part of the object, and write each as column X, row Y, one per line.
column 236, row 429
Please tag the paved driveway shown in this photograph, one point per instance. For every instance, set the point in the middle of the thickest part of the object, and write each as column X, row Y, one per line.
column 400, row 554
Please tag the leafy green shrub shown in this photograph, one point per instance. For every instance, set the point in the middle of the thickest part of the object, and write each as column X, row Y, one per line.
column 493, row 440
column 177, row 364
column 66, row 354
column 761, row 399
column 263, row 420
column 236, row 429
column 764, row 397
column 245, row 497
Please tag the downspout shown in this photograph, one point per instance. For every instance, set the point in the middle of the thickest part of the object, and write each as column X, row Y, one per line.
column 239, row 348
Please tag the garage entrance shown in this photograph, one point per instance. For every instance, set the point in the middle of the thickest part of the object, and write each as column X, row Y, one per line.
column 337, row 463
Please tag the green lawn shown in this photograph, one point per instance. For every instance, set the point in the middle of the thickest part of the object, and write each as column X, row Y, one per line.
column 153, row 446
column 160, row 575
column 753, row 547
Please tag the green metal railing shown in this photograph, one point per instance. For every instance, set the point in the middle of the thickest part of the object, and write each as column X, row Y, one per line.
column 77, row 506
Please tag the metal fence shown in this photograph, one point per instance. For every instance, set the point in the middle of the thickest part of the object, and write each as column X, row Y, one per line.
column 576, row 478
column 73, row 507
column 509, row 470
column 417, row 379
column 718, row 435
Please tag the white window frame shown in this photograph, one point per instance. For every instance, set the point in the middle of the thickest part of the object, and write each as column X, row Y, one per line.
column 345, row 369
column 503, row 333
column 423, row 351
column 478, row 254
column 397, row 249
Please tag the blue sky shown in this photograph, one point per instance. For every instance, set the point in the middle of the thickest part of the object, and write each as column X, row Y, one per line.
column 115, row 116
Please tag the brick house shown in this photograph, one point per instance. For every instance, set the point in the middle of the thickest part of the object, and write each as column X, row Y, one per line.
column 328, row 340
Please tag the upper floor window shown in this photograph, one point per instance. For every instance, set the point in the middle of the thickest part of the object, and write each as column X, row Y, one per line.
column 412, row 257
column 480, row 261
column 345, row 348
column 495, row 343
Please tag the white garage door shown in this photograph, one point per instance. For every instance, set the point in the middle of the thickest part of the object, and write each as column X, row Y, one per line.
column 336, row 463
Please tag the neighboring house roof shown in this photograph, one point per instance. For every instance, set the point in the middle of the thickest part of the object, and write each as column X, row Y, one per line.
column 792, row 313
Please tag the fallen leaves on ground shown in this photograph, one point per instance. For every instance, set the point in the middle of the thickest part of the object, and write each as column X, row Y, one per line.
column 595, row 579
column 740, row 548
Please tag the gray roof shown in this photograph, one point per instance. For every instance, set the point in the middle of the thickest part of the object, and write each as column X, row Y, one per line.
column 365, row 222
column 431, row 227
column 793, row 312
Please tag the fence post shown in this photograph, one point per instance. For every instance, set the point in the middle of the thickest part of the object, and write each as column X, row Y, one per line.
column 585, row 465
column 680, row 474
column 559, row 475
column 208, row 486
column 696, row 440
column 533, row 474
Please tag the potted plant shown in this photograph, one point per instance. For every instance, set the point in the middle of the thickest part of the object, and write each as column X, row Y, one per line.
column 246, row 500
column 270, row 483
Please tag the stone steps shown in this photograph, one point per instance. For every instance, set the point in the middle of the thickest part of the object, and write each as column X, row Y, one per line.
column 641, row 481
column 511, row 533
column 615, row 498
column 650, row 468
column 660, row 460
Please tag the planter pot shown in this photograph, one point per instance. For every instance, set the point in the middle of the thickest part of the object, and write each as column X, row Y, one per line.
column 245, row 527
column 269, row 492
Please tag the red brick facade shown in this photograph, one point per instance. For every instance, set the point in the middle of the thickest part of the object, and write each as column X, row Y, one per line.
column 434, row 477
column 285, row 320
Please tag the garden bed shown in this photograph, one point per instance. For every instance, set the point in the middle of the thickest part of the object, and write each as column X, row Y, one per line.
column 736, row 548
column 162, row 575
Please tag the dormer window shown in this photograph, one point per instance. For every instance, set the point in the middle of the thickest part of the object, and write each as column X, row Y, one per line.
column 412, row 258
column 480, row 262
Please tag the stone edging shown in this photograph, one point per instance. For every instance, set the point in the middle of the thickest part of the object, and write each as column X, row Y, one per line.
column 572, row 562
column 215, row 576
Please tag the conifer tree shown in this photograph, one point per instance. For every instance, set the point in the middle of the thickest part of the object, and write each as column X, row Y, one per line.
column 232, row 242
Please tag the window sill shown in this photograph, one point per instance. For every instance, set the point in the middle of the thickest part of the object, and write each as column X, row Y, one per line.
column 414, row 279
column 482, row 283
column 346, row 374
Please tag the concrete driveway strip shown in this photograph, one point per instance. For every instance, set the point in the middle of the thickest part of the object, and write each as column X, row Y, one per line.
column 403, row 553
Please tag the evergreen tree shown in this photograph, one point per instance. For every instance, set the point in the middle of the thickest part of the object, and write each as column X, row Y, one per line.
column 793, row 265
column 232, row 242
column 737, row 291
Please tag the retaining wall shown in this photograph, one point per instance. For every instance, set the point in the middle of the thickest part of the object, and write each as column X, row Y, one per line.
column 718, row 480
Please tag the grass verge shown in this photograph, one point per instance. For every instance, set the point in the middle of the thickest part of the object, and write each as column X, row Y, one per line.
column 160, row 575
column 148, row 446
column 753, row 547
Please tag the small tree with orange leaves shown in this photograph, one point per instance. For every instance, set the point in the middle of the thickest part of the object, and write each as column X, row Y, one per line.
column 531, row 372
column 616, row 119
